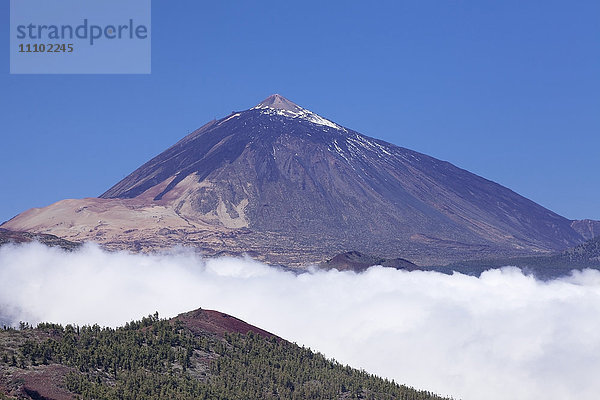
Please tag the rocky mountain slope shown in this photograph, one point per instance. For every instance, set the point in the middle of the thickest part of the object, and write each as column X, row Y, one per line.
column 358, row 262
column 289, row 186
column 587, row 228
column 585, row 255
column 7, row 236
column 198, row 355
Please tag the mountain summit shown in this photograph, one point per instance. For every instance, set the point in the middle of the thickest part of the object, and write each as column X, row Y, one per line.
column 288, row 186
column 278, row 102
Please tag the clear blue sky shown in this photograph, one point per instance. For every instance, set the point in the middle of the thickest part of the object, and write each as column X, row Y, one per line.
column 509, row 90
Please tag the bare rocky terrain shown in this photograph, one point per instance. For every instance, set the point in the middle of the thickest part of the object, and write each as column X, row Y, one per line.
column 7, row 237
column 588, row 228
column 358, row 262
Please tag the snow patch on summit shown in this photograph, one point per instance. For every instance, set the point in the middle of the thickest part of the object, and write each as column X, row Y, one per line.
column 279, row 105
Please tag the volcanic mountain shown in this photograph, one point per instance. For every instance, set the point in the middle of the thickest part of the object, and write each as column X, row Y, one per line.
column 286, row 185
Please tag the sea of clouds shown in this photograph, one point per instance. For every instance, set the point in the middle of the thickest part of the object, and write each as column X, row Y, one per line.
column 503, row 335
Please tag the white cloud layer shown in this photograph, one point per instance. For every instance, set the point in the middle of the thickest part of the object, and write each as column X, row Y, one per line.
column 501, row 336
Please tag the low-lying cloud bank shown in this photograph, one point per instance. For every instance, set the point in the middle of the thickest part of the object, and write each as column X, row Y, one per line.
column 501, row 336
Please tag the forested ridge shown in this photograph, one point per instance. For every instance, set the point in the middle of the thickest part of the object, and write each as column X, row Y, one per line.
column 162, row 359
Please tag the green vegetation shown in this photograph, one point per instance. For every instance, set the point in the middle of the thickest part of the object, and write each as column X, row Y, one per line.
column 160, row 359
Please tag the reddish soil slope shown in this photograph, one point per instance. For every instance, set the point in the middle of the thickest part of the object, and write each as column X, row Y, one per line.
column 218, row 323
